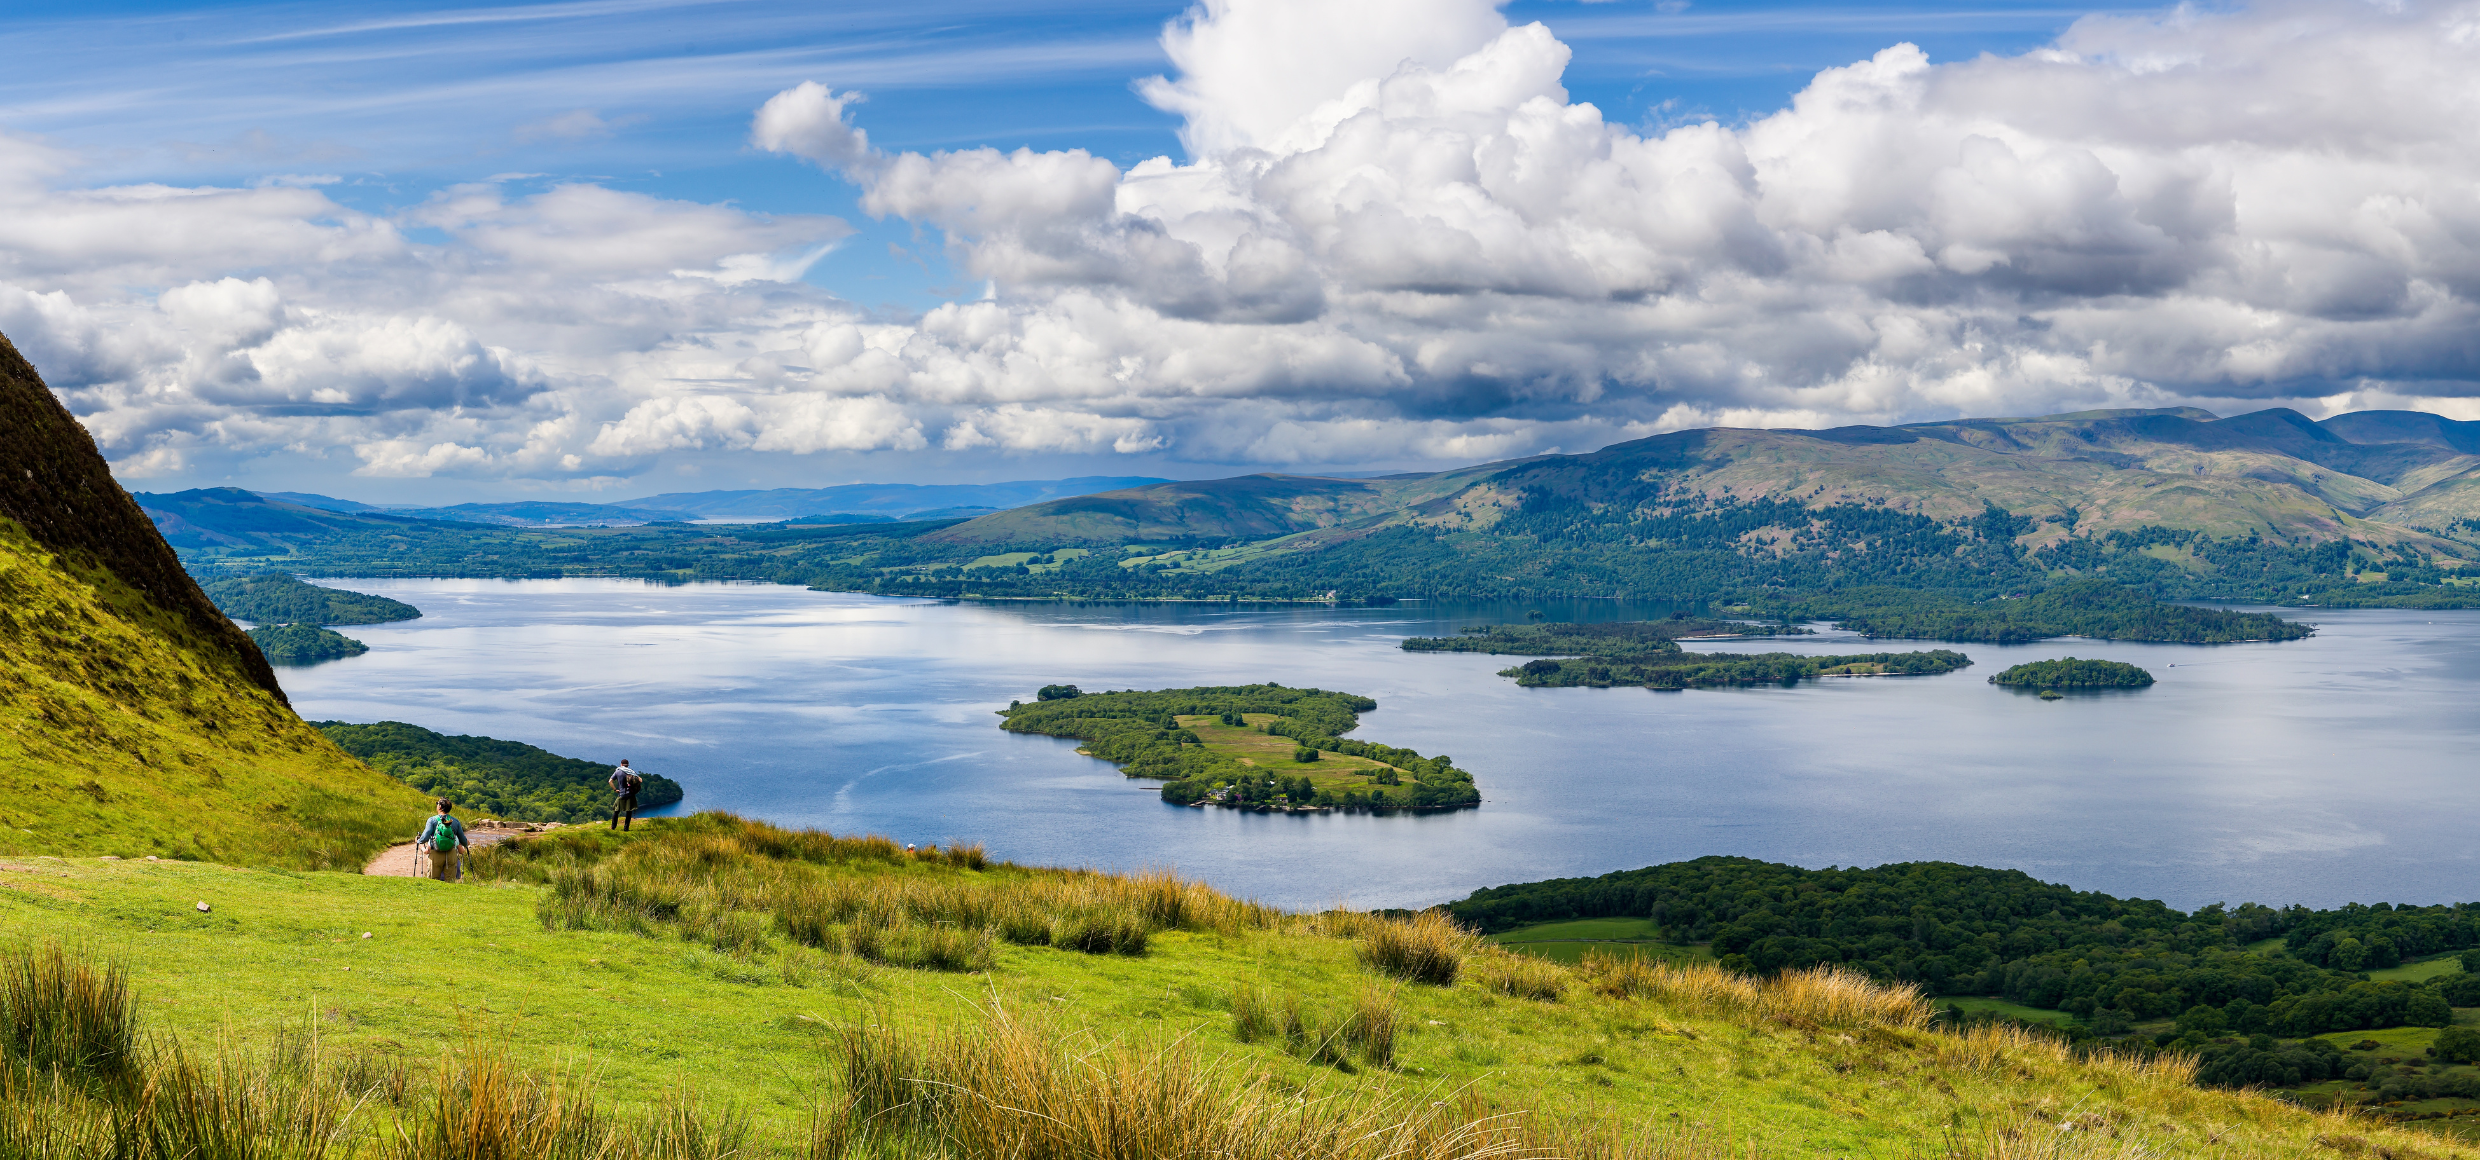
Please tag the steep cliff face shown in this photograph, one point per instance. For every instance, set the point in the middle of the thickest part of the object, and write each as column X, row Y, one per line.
column 134, row 718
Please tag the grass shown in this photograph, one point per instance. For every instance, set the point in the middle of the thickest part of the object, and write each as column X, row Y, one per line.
column 1983, row 1005
column 1569, row 941
column 121, row 740
column 1336, row 773
column 660, row 1032
column 2420, row 970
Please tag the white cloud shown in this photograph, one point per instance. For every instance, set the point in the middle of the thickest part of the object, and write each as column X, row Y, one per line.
column 1395, row 236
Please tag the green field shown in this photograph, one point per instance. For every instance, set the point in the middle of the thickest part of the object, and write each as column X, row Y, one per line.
column 656, row 1018
column 1568, row 942
column 1978, row 1005
column 2419, row 970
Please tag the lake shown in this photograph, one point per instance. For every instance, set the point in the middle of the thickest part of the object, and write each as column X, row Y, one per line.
column 2323, row 771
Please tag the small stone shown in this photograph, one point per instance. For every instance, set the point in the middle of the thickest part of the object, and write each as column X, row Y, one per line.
column 204, row 908
column 365, row 934
column 153, row 858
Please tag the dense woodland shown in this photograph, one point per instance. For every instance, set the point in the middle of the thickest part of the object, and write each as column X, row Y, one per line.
column 1687, row 670
column 491, row 778
column 1968, row 930
column 2074, row 673
column 304, row 644
column 1140, row 731
column 280, row 598
column 1602, row 638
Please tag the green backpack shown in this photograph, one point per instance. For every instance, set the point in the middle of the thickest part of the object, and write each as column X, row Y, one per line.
column 443, row 836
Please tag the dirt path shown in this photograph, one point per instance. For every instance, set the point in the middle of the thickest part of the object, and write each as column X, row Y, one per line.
column 405, row 861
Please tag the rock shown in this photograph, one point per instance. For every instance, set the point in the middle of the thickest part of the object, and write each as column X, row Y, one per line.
column 153, row 858
column 365, row 934
column 204, row 908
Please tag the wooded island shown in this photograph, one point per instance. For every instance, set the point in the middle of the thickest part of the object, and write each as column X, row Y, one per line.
column 1256, row 747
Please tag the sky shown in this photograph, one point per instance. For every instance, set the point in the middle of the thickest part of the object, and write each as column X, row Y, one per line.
column 415, row 253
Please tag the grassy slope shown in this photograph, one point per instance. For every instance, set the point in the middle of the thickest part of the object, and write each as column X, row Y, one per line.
column 130, row 744
column 135, row 719
column 650, row 1018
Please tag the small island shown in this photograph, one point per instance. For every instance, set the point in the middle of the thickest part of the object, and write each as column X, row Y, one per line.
column 1647, row 653
column 1264, row 748
column 1687, row 670
column 281, row 598
column 2072, row 673
column 304, row 644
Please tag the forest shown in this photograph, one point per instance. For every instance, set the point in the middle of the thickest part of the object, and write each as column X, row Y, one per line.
column 1969, row 930
column 2073, row 673
column 1687, row 670
column 280, row 598
column 2097, row 608
column 1215, row 744
column 304, row 644
column 491, row 778
column 1601, row 638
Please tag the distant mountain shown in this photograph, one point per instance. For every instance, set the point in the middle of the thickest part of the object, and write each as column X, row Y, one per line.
column 2382, row 477
column 893, row 501
column 899, row 500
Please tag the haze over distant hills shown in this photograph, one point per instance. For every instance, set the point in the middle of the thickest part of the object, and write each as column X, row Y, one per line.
column 847, row 503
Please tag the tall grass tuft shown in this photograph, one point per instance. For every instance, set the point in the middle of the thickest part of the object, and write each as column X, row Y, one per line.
column 1522, row 976
column 227, row 1107
column 1003, row 1089
column 1829, row 996
column 60, row 1013
column 1429, row 948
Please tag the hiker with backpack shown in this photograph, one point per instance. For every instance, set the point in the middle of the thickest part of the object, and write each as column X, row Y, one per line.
column 442, row 838
column 625, row 783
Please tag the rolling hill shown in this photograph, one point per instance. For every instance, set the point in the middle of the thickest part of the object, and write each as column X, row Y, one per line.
column 134, row 718
column 2390, row 478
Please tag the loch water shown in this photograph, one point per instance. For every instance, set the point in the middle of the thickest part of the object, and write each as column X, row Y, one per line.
column 2323, row 771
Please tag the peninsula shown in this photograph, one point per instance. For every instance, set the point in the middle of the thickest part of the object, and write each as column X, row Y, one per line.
column 1255, row 747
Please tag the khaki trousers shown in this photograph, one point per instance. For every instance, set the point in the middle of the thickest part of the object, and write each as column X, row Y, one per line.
column 443, row 865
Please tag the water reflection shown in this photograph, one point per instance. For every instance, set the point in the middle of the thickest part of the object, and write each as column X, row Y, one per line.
column 2318, row 771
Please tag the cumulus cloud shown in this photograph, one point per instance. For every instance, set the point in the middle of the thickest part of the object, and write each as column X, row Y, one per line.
column 1394, row 236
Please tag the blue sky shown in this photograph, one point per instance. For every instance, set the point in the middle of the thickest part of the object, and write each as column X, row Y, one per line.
column 412, row 252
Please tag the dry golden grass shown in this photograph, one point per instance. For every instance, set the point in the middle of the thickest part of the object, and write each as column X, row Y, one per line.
column 1003, row 1088
column 735, row 885
column 1820, row 997
column 1427, row 948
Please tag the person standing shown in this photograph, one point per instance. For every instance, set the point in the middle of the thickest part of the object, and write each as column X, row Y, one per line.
column 443, row 838
column 625, row 783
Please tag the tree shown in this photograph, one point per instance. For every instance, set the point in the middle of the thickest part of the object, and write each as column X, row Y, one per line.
column 2427, row 1008
column 1059, row 692
column 1304, row 753
column 2458, row 1045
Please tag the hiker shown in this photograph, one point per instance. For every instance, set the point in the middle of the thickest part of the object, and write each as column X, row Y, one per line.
column 624, row 785
column 442, row 838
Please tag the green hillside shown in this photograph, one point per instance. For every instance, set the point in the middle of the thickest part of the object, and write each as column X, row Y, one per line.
column 707, row 987
column 134, row 718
